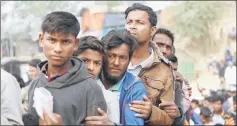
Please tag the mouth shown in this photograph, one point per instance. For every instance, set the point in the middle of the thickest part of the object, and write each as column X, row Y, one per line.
column 116, row 70
column 133, row 34
column 56, row 57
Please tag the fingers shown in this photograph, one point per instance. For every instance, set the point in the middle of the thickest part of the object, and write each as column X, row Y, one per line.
column 137, row 110
column 101, row 112
column 94, row 123
column 46, row 117
column 58, row 118
column 140, row 115
column 93, row 118
column 164, row 103
column 138, row 102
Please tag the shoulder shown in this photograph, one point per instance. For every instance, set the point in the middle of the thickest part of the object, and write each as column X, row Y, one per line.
column 164, row 60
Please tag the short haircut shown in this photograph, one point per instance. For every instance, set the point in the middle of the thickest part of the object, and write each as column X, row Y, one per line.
column 218, row 98
column 60, row 21
column 166, row 32
column 195, row 101
column 173, row 59
column 34, row 62
column 234, row 99
column 137, row 6
column 89, row 42
column 206, row 112
column 116, row 38
column 209, row 98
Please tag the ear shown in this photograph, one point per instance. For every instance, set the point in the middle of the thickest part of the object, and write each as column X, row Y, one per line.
column 76, row 45
column 41, row 38
column 153, row 30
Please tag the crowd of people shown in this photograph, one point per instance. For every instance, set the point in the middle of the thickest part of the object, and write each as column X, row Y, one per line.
column 129, row 77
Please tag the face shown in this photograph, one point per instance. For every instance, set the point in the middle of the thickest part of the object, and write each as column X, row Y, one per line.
column 193, row 105
column 33, row 72
column 58, row 47
column 175, row 66
column 116, row 63
column 164, row 43
column 217, row 106
column 93, row 61
column 138, row 24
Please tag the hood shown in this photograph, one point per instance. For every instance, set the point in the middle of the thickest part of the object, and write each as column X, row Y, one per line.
column 75, row 75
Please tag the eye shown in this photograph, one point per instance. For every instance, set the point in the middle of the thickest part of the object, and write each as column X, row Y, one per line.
column 128, row 22
column 123, row 57
column 85, row 60
column 111, row 55
column 66, row 42
column 97, row 63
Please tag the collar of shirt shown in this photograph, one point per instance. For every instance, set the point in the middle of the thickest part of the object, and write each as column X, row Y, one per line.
column 117, row 87
column 145, row 62
column 45, row 72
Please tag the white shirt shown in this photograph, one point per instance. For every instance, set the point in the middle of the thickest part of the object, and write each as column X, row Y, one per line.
column 135, row 70
column 11, row 113
column 112, row 102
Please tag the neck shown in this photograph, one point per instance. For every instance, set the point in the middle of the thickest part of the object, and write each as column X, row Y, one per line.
column 218, row 112
column 107, row 84
column 54, row 70
column 140, row 54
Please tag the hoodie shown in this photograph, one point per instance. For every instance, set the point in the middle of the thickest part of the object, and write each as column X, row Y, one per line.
column 75, row 94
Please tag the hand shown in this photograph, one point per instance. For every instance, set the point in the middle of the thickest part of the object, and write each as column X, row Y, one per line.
column 144, row 108
column 48, row 121
column 99, row 120
column 189, row 91
column 170, row 108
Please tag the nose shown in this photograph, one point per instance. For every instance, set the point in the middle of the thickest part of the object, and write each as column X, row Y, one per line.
column 163, row 50
column 116, row 62
column 90, row 66
column 58, row 48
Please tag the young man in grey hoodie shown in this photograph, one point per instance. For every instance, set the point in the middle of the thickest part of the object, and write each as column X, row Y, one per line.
column 75, row 94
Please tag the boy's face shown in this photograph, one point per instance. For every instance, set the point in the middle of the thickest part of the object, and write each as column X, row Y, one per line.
column 93, row 61
column 58, row 47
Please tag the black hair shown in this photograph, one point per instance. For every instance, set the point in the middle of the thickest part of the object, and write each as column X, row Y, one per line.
column 116, row 38
column 195, row 101
column 173, row 59
column 234, row 99
column 137, row 6
column 34, row 62
column 205, row 111
column 166, row 32
column 218, row 98
column 89, row 42
column 82, row 12
column 60, row 21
